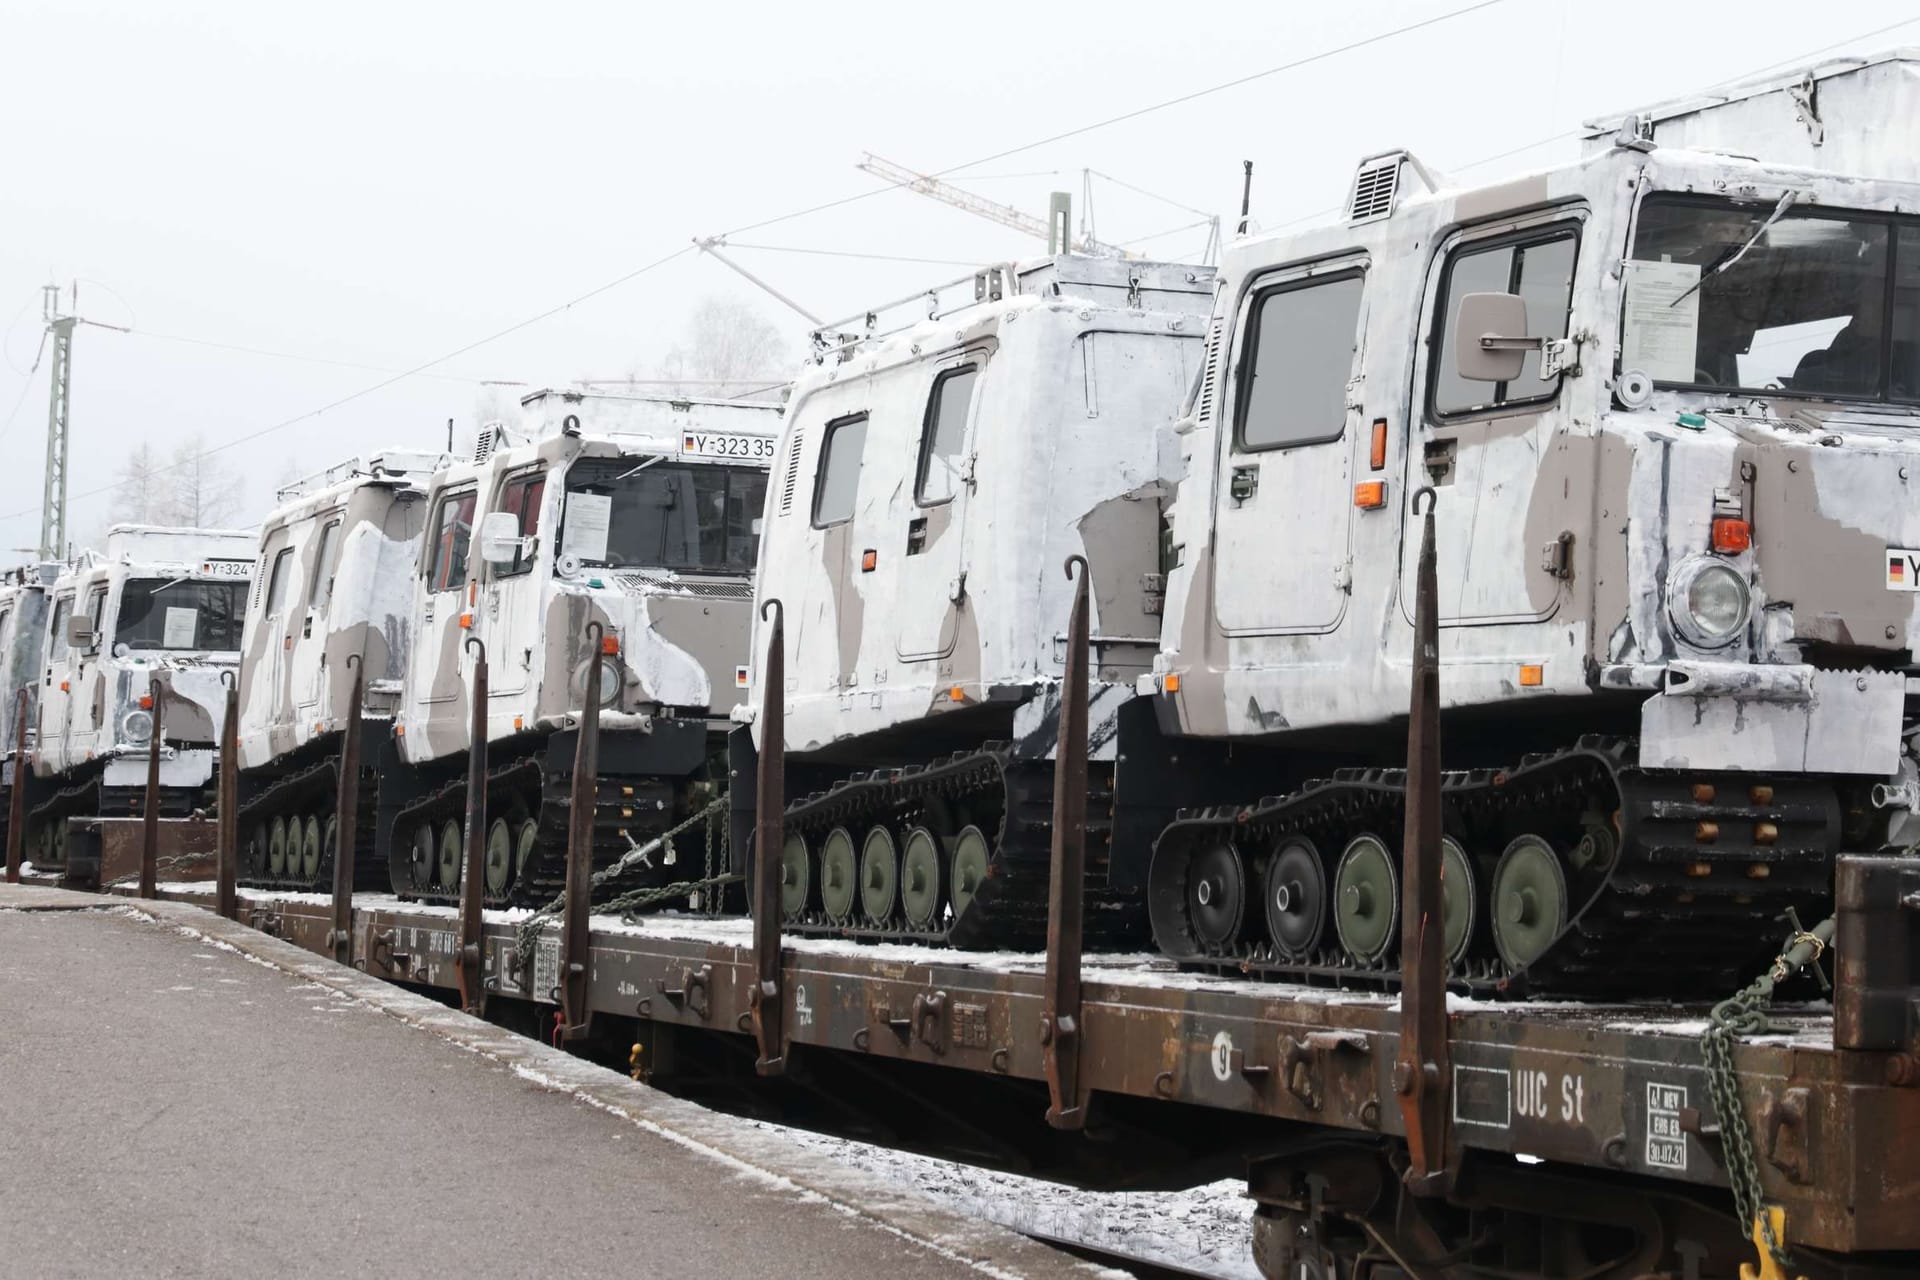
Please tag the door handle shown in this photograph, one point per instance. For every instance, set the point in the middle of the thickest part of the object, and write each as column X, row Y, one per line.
column 1245, row 482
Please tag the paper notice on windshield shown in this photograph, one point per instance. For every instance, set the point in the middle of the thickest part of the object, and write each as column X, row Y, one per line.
column 1663, row 327
column 588, row 517
column 180, row 628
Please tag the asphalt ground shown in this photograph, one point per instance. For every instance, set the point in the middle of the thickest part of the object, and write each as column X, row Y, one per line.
column 180, row 1096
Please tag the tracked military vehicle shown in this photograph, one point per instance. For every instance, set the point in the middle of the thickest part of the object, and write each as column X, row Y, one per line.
column 23, row 617
column 1667, row 398
column 929, row 485
column 639, row 514
column 330, row 602
column 148, row 629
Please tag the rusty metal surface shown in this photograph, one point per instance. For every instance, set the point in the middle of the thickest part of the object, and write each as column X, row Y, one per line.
column 346, row 825
column 1877, row 964
column 1596, row 1086
column 189, row 847
column 17, row 793
column 766, row 1003
column 473, row 996
column 150, row 829
column 1060, row 1025
column 575, row 943
column 227, row 860
column 1421, row 1073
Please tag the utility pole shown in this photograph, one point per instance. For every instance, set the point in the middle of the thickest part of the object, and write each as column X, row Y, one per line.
column 53, row 502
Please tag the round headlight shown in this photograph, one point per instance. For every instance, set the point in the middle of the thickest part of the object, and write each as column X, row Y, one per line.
column 612, row 678
column 1709, row 600
column 136, row 727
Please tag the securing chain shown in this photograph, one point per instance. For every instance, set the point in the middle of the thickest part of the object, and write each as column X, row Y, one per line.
column 527, row 932
column 1745, row 1015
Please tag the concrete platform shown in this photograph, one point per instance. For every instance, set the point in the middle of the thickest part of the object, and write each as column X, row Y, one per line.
column 184, row 1096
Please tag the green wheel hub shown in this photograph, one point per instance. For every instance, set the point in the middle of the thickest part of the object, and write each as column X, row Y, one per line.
column 277, row 847
column 921, row 868
column 421, row 861
column 499, row 856
column 1529, row 901
column 796, row 876
column 450, row 855
column 1366, row 896
column 310, row 848
column 879, row 875
column 1459, row 897
column 526, row 840
column 839, row 873
column 972, row 857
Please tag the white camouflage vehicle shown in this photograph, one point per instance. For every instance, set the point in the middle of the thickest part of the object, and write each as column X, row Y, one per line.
column 640, row 514
column 158, row 609
column 23, row 618
column 331, row 600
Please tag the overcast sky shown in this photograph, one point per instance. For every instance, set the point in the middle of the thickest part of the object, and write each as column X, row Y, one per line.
column 374, row 185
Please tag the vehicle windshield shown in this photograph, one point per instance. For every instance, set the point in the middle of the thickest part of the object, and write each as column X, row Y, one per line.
column 626, row 513
column 176, row 613
column 1820, row 303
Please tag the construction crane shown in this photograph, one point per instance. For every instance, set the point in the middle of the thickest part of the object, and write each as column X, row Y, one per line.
column 993, row 211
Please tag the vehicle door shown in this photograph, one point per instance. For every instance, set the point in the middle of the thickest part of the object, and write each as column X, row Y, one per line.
column 515, row 620
column 1483, row 443
column 276, row 568
column 1284, row 494
column 443, row 614
column 836, row 499
column 309, row 642
column 92, row 697
column 932, row 585
column 56, row 691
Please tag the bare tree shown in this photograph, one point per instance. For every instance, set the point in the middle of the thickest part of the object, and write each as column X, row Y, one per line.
column 142, row 490
column 726, row 340
column 205, row 494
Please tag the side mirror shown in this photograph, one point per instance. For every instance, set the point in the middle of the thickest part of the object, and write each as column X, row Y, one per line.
column 80, row 631
column 500, row 540
column 1489, row 337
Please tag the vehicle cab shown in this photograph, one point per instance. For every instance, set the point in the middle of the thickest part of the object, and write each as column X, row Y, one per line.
column 162, row 605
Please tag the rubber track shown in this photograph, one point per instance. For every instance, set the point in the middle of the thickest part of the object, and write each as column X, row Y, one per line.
column 1009, row 908
column 625, row 809
column 1677, row 914
column 315, row 789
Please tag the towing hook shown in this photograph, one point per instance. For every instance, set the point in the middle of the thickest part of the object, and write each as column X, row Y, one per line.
column 1073, row 560
column 770, row 606
column 1425, row 491
column 475, row 642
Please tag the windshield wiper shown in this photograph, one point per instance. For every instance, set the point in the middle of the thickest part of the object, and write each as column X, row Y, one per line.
column 658, row 457
column 170, row 582
column 1778, row 211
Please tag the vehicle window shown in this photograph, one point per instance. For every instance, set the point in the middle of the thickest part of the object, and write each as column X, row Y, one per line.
column 277, row 582
column 685, row 517
column 1538, row 267
column 176, row 613
column 97, row 606
column 839, row 480
column 453, row 531
column 943, row 436
column 1817, row 303
column 521, row 498
column 1296, row 362
column 321, row 589
column 57, row 641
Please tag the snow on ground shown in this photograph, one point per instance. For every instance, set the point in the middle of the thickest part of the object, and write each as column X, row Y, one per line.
column 1206, row 1229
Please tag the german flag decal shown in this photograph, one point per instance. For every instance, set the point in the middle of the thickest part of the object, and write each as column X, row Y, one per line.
column 1903, row 569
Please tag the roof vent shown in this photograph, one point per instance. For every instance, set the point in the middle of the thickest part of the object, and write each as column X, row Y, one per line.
column 1375, row 186
column 793, row 472
column 486, row 442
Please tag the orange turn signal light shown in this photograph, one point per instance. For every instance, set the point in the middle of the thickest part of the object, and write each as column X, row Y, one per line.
column 1170, row 683
column 1730, row 536
column 610, row 645
column 1377, row 451
column 1532, row 675
column 956, row 694
column 1370, row 495
column 146, row 701
column 869, row 560
column 466, row 622
column 63, row 687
